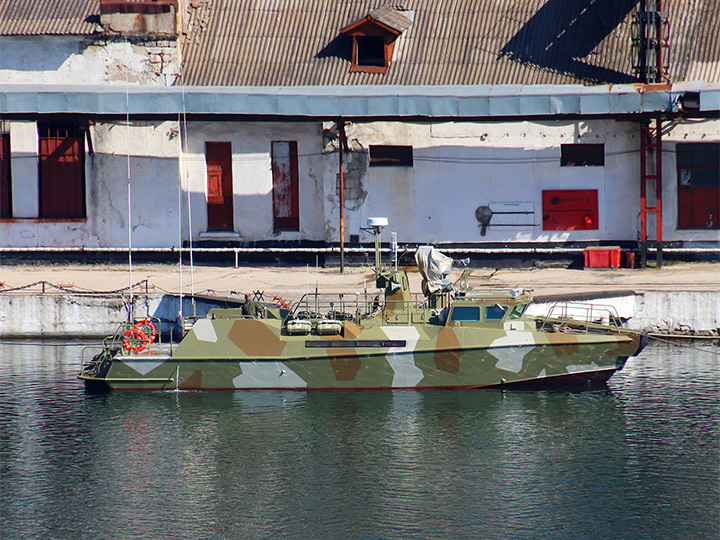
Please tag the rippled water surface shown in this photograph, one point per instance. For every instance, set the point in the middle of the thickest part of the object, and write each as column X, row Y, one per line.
column 639, row 458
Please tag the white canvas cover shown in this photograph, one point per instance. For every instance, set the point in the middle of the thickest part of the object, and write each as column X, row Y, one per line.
column 434, row 267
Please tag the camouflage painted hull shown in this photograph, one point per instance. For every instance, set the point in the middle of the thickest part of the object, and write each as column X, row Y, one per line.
column 256, row 354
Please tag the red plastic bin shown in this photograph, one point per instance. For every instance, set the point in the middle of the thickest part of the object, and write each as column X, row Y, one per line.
column 602, row 257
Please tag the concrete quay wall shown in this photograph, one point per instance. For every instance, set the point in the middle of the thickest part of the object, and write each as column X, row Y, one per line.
column 663, row 311
column 55, row 316
column 83, row 316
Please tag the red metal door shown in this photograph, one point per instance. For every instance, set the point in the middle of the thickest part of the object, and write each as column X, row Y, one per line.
column 218, row 158
column 286, row 207
column 62, row 174
column 5, row 182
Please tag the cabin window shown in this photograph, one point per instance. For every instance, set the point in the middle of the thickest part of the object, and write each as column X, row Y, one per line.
column 698, row 173
column 385, row 155
column 495, row 312
column 582, row 155
column 62, row 170
column 517, row 312
column 465, row 313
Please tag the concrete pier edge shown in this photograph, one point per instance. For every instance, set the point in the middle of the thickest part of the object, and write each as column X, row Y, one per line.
column 93, row 316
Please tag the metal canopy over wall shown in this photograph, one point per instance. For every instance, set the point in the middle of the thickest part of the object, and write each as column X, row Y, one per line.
column 358, row 101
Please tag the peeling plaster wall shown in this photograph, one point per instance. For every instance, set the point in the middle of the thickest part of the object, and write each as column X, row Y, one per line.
column 82, row 60
column 252, row 176
column 457, row 167
column 460, row 166
column 153, row 150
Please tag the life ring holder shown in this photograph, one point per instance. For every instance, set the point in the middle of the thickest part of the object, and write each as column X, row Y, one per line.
column 135, row 340
column 148, row 327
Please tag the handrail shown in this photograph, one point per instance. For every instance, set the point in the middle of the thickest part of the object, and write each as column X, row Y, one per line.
column 350, row 306
column 580, row 316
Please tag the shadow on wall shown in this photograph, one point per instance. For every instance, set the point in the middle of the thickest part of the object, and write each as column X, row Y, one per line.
column 563, row 32
column 168, row 311
column 21, row 53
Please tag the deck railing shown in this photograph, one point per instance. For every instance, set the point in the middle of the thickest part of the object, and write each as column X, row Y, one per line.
column 579, row 317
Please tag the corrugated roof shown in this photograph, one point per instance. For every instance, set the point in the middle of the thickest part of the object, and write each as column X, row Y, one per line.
column 291, row 43
column 49, row 17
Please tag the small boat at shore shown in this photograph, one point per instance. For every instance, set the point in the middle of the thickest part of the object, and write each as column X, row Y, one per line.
column 449, row 336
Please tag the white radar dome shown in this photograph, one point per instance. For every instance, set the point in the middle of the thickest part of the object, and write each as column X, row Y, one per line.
column 377, row 222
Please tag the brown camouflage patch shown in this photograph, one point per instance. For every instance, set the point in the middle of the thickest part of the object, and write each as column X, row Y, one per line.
column 351, row 330
column 193, row 381
column 447, row 358
column 345, row 368
column 625, row 348
column 563, row 343
column 254, row 338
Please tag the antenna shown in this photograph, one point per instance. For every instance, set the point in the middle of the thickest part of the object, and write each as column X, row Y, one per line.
column 376, row 225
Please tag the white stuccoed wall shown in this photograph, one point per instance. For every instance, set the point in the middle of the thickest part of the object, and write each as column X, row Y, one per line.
column 252, row 176
column 80, row 60
column 24, row 166
column 457, row 167
column 460, row 166
column 153, row 150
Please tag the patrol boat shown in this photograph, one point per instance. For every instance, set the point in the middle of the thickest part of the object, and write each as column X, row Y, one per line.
column 446, row 337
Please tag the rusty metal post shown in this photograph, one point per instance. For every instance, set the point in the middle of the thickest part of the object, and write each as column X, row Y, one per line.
column 341, row 150
column 658, row 192
column 644, row 134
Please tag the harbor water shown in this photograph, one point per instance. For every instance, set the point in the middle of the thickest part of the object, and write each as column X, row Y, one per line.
column 638, row 458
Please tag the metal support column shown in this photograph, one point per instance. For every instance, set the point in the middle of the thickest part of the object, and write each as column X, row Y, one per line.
column 342, row 148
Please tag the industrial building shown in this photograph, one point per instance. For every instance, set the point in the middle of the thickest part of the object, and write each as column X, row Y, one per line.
column 521, row 127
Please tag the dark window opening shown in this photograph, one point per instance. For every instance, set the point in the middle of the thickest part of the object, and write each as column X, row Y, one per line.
column 5, row 178
column 62, row 170
column 517, row 312
column 582, row 155
column 698, row 173
column 391, row 156
column 465, row 313
column 370, row 51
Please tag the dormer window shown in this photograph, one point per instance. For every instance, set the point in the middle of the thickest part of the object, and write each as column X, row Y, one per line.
column 374, row 38
column 369, row 51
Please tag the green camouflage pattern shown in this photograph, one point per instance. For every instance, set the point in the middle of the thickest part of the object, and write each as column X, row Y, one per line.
column 397, row 346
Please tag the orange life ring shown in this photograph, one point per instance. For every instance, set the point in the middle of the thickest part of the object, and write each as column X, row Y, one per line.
column 135, row 340
column 148, row 327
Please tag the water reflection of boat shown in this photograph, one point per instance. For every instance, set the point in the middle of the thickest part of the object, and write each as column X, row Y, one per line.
column 448, row 337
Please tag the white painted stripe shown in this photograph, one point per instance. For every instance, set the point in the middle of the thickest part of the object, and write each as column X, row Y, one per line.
column 401, row 359
column 267, row 375
column 205, row 331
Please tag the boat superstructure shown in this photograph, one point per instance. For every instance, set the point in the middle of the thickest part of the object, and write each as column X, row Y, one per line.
column 443, row 338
